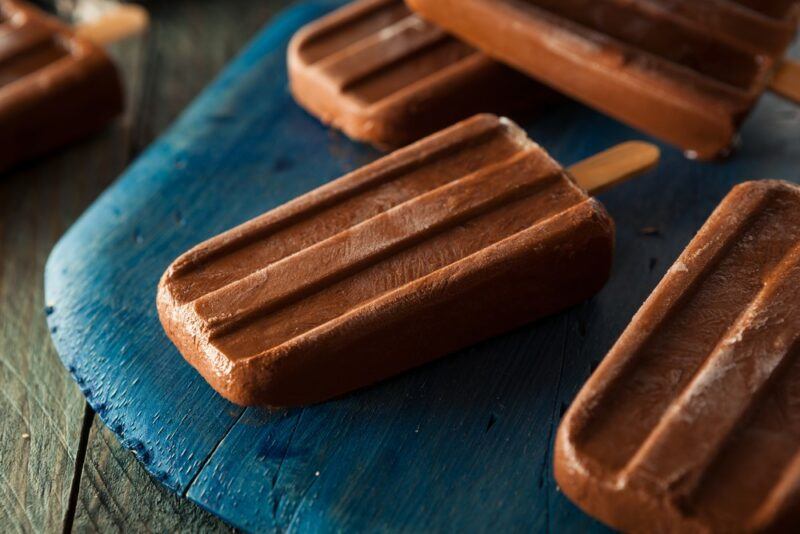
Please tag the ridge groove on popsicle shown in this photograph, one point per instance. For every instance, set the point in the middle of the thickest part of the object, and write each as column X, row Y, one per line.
column 350, row 294
column 754, row 30
column 370, row 65
column 723, row 61
column 369, row 21
column 399, row 180
column 372, row 242
column 372, row 55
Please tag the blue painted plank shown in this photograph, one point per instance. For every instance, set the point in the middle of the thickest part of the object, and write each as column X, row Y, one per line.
column 461, row 444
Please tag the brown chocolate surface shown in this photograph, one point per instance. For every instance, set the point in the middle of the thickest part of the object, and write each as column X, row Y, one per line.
column 383, row 75
column 466, row 234
column 691, row 423
column 55, row 88
column 687, row 71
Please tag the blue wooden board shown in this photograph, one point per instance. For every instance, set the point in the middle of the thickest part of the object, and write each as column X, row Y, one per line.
column 461, row 444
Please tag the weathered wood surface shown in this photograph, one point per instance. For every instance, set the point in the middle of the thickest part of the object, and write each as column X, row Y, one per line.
column 43, row 410
column 41, row 407
column 462, row 444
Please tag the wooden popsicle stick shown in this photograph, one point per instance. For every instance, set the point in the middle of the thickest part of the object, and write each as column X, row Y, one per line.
column 786, row 81
column 615, row 165
column 116, row 24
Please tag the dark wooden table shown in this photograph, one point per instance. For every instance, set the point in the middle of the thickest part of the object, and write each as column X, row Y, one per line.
column 60, row 468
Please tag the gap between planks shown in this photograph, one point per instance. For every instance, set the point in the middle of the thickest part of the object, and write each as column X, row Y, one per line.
column 80, row 459
column 202, row 465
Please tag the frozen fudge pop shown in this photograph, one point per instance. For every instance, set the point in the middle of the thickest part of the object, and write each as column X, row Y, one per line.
column 55, row 86
column 692, row 422
column 686, row 71
column 466, row 234
column 383, row 75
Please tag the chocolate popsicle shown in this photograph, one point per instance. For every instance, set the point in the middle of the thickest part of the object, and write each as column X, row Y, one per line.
column 55, row 86
column 692, row 421
column 686, row 71
column 383, row 75
column 466, row 234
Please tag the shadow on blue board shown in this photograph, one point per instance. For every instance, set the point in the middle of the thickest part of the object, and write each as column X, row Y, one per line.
column 461, row 444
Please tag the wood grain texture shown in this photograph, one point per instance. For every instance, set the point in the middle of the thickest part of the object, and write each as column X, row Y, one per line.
column 461, row 444
column 117, row 495
column 42, row 409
